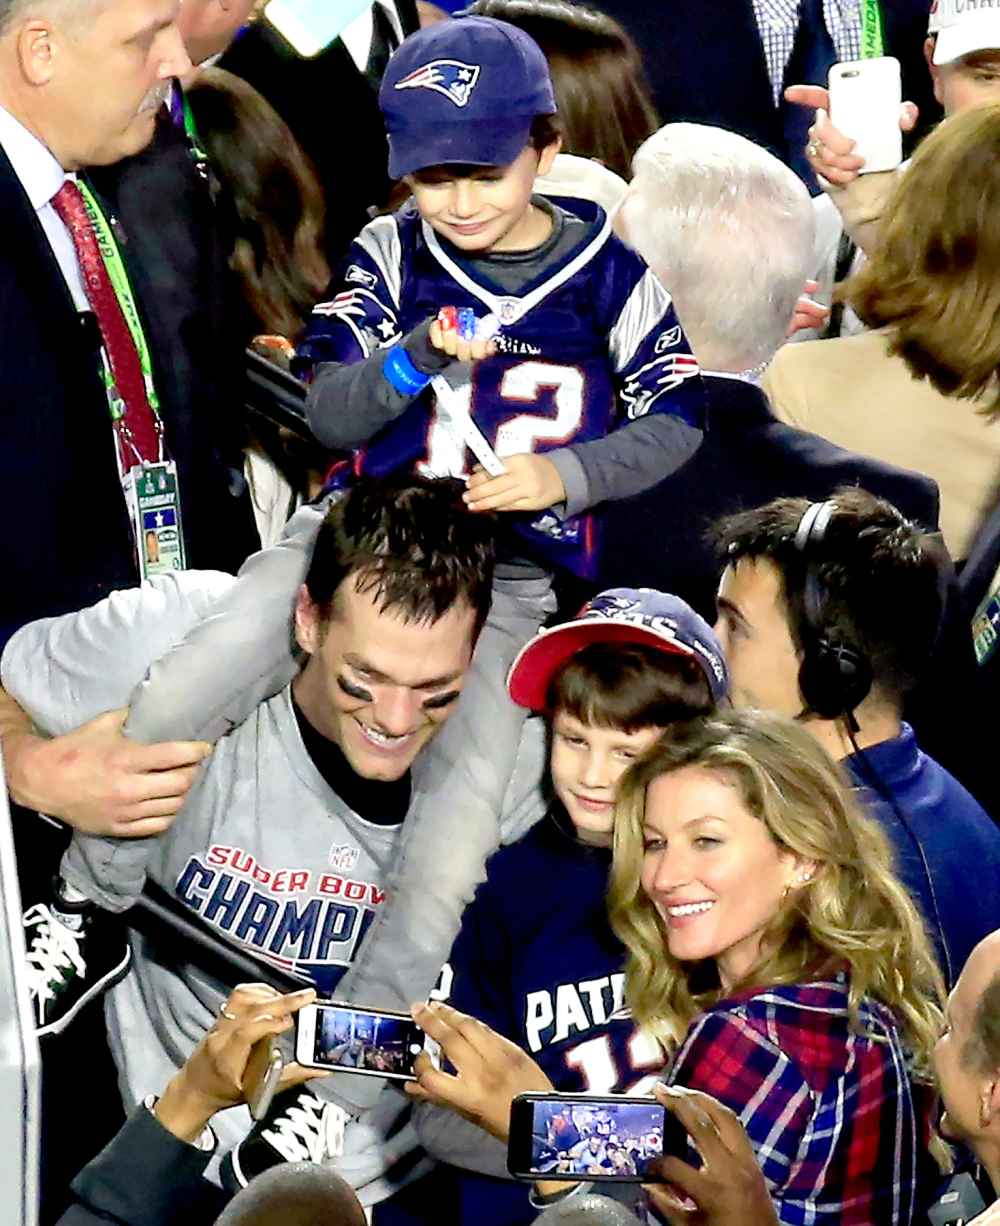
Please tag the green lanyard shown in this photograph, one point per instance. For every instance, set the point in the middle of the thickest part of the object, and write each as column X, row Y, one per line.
column 198, row 153
column 118, row 277
column 872, row 42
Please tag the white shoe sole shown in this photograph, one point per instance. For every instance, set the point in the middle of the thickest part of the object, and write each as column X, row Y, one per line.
column 108, row 980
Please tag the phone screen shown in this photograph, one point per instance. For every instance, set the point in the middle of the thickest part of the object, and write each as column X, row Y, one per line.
column 312, row 25
column 581, row 1137
column 361, row 1040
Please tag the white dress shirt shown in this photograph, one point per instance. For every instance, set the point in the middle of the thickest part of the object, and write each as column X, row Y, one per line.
column 357, row 37
column 778, row 23
column 41, row 177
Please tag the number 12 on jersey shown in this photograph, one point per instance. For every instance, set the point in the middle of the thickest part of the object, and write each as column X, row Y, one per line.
column 521, row 385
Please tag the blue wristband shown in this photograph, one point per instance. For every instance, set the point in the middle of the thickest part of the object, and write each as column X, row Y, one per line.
column 398, row 368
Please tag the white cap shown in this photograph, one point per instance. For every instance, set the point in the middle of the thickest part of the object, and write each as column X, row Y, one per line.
column 962, row 27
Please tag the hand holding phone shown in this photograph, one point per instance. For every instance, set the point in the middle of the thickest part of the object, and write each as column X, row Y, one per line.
column 489, row 1071
column 831, row 153
column 262, row 1075
column 865, row 101
column 729, row 1186
column 214, row 1075
column 582, row 1137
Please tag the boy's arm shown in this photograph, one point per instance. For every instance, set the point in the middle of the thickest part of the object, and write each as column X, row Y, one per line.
column 662, row 399
column 349, row 338
column 66, row 671
column 350, row 400
column 628, row 461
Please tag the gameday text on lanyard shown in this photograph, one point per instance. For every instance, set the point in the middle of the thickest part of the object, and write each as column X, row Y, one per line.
column 151, row 486
column 872, row 42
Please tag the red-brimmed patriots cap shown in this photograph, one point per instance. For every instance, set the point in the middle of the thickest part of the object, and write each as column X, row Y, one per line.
column 463, row 91
column 620, row 615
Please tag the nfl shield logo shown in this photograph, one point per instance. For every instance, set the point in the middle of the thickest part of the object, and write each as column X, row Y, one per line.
column 508, row 310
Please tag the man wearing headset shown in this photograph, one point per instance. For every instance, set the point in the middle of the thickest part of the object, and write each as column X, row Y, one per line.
column 828, row 612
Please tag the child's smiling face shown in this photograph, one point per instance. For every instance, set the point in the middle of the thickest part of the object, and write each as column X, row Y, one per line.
column 485, row 208
column 586, row 763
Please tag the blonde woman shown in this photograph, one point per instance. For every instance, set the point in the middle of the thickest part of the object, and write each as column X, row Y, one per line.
column 780, row 962
column 776, row 957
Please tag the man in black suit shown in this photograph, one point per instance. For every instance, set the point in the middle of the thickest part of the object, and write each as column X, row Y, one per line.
column 729, row 230
column 82, row 86
column 330, row 103
column 710, row 63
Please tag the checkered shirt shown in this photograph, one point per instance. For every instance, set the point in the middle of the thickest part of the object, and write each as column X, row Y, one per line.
column 778, row 21
column 837, row 1127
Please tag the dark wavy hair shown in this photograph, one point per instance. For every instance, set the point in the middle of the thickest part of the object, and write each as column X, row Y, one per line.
column 932, row 276
column 605, row 107
column 883, row 578
column 411, row 542
column 271, row 197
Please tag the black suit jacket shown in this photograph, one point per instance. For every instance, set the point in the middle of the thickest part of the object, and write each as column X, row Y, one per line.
column 332, row 110
column 144, row 1177
column 972, row 694
column 748, row 457
column 67, row 540
column 705, row 61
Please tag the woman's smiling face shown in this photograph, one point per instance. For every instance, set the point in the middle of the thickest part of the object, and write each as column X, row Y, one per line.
column 711, row 869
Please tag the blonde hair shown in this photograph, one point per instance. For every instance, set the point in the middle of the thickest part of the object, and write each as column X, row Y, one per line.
column 932, row 277
column 854, row 910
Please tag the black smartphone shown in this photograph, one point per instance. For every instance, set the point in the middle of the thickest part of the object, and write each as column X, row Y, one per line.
column 375, row 1042
column 582, row 1137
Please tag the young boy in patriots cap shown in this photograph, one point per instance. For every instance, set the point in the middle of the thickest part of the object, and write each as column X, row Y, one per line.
column 588, row 341
column 587, row 392
column 535, row 958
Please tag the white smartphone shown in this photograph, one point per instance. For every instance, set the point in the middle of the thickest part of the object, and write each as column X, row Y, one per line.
column 374, row 1042
column 865, row 97
column 310, row 26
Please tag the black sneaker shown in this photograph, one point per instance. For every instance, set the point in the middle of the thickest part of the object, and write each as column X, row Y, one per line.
column 69, row 966
column 300, row 1127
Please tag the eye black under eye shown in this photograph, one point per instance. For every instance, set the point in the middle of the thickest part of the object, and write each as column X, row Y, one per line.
column 352, row 690
column 440, row 700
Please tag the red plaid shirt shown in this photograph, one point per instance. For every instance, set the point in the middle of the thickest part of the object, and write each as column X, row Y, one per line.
column 839, row 1131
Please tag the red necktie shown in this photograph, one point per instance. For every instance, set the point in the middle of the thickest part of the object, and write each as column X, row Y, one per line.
column 123, row 356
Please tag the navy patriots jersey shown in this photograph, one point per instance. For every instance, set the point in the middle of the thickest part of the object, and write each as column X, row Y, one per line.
column 590, row 344
column 537, row 961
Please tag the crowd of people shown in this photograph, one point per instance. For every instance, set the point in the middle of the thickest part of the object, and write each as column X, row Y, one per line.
column 541, row 577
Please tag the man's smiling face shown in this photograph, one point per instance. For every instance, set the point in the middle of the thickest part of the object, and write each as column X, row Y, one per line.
column 376, row 684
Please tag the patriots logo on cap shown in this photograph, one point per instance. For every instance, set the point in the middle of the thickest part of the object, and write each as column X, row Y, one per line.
column 449, row 77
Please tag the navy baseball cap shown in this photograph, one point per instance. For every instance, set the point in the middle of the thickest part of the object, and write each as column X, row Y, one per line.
column 620, row 615
column 463, row 91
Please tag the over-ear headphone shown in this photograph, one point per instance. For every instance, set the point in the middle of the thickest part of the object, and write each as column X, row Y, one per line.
column 835, row 676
